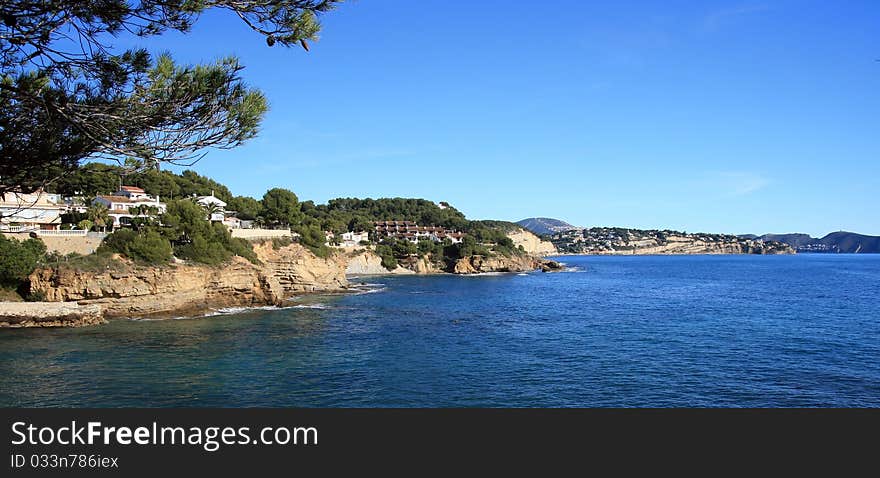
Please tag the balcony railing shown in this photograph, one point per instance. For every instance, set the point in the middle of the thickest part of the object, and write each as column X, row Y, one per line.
column 69, row 232
column 18, row 228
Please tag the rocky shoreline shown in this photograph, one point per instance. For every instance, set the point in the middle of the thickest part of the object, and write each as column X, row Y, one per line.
column 187, row 289
column 88, row 297
column 49, row 314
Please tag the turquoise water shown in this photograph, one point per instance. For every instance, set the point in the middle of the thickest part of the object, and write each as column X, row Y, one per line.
column 728, row 331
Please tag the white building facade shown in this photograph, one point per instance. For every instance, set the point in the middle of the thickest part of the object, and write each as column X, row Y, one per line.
column 120, row 204
column 350, row 239
column 30, row 212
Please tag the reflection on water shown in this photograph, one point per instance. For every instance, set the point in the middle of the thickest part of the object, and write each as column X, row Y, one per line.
column 624, row 331
column 126, row 362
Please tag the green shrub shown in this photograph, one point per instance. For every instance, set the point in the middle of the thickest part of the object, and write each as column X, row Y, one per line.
column 279, row 242
column 403, row 248
column 242, row 248
column 151, row 248
column 426, row 246
column 146, row 246
column 199, row 249
column 117, row 242
column 18, row 259
column 312, row 237
column 387, row 254
column 199, row 240
column 90, row 263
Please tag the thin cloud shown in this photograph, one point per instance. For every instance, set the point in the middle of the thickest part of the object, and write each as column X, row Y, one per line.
column 717, row 19
column 740, row 183
column 333, row 160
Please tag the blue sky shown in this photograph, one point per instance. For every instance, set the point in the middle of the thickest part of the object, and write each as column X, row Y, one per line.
column 722, row 116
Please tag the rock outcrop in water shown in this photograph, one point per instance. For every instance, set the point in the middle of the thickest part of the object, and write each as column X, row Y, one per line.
column 366, row 262
column 483, row 264
column 48, row 314
column 136, row 291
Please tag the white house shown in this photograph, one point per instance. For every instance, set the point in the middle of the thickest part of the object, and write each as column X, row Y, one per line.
column 220, row 214
column 133, row 192
column 215, row 203
column 350, row 239
column 24, row 212
column 231, row 221
column 120, row 203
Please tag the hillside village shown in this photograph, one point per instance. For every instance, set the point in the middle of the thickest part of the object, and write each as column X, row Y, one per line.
column 135, row 251
column 621, row 241
column 47, row 214
column 50, row 214
column 94, row 223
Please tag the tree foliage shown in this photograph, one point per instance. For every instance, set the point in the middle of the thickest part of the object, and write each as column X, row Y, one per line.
column 146, row 246
column 246, row 207
column 99, row 216
column 312, row 236
column 196, row 239
column 66, row 95
column 182, row 231
column 364, row 211
column 281, row 207
column 96, row 178
column 18, row 259
column 386, row 253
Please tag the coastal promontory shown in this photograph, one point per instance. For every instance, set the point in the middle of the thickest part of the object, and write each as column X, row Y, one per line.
column 126, row 289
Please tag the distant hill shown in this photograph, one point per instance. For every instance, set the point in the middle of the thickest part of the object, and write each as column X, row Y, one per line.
column 626, row 241
column 793, row 240
column 545, row 226
column 505, row 226
column 839, row 242
column 851, row 242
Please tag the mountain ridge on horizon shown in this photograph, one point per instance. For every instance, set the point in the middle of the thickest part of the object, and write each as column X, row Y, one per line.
column 844, row 242
column 544, row 226
column 839, row 241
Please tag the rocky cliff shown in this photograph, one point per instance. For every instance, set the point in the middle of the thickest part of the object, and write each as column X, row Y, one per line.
column 368, row 263
column 531, row 243
column 136, row 291
column 483, row 264
column 299, row 271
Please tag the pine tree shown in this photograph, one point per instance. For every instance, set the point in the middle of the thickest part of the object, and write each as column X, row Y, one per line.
column 66, row 95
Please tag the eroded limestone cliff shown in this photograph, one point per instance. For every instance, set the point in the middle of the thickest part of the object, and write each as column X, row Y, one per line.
column 135, row 291
column 483, row 264
column 531, row 243
column 368, row 263
column 299, row 271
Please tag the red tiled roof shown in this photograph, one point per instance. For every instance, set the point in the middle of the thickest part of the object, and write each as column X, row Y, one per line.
column 125, row 199
column 116, row 198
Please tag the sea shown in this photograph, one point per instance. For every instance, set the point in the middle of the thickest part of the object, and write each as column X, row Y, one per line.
column 610, row 331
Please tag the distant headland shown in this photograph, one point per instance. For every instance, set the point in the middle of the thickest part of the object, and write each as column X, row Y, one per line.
column 618, row 240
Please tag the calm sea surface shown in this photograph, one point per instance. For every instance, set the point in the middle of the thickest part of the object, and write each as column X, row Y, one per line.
column 729, row 331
